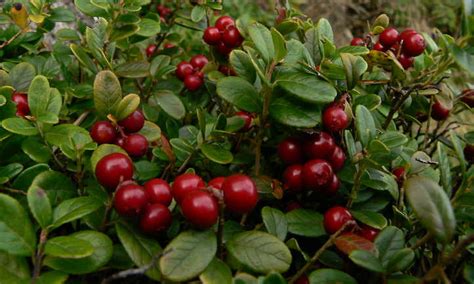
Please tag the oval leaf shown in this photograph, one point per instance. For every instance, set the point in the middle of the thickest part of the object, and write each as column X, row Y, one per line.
column 217, row 153
column 275, row 222
column 68, row 247
column 305, row 222
column 349, row 242
column 366, row 260
column 330, row 276
column 127, row 106
column 169, row 103
column 107, row 92
column 40, row 206
column 217, row 272
column 73, row 209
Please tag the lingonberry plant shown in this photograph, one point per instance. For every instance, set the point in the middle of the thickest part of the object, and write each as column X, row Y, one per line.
column 182, row 141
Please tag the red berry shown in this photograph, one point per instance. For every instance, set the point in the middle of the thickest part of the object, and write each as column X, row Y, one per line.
column 469, row 152
column 378, row 46
column 169, row 45
column 183, row 70
column 319, row 146
column 200, row 209
column 232, row 38
column 248, row 118
column 302, row 280
column 388, row 37
column 335, row 119
column 134, row 122
column 223, row 49
column 439, row 111
column 136, row 145
column 184, row 184
column 21, row 101
column 212, row 36
column 368, row 232
column 129, row 199
column 357, row 41
column 150, row 50
column 216, row 182
column 103, row 132
column 112, row 169
column 120, row 141
column 193, row 82
column 240, row 193
column 290, row 151
column 158, row 191
column 224, row 22
column 199, row 61
column 467, row 97
column 226, row 70
column 200, row 75
column 406, row 61
column 399, row 174
column 293, row 178
column 156, row 218
column 405, row 34
column 333, row 186
column 163, row 10
column 413, row 44
column 335, row 218
column 292, row 205
column 317, row 174
column 337, row 159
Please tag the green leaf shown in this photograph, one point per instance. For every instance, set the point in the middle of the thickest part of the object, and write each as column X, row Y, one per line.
column 123, row 32
column 217, row 153
column 88, row 8
column 148, row 27
column 366, row 260
column 354, row 66
column 307, row 87
column 388, row 241
column 60, row 135
column 103, row 249
column 40, row 206
column 217, row 272
column 458, row 150
column 354, row 50
column 365, row 125
column 43, row 100
column 272, row 278
column 96, row 38
column 68, row 247
column 275, row 222
column 464, row 58
column 431, row 206
column 260, row 252
column 127, row 106
column 159, row 65
column 14, row 269
column 151, row 131
column 67, row 34
column 24, row 180
column 21, row 76
column 83, row 58
column 400, row 260
column 370, row 101
column 444, row 168
column 198, row 13
column 52, row 277
column 393, row 139
column 19, row 126
column 169, row 103
column 330, row 276
column 242, row 65
column 279, row 44
column 188, row 255
column 58, row 187
column 240, row 93
column 373, row 219
column 288, row 111
column 17, row 236
column 10, row 171
column 62, row 14
column 73, row 209
column 134, row 69
column 262, row 39
column 305, row 222
column 107, row 92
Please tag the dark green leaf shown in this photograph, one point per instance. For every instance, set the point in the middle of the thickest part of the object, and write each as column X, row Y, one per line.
column 370, row 101
column 354, row 66
column 21, row 76
column 13, row 269
column 262, row 38
column 388, row 241
column 291, row 112
column 169, row 103
column 365, row 125
column 73, row 209
column 123, row 32
column 40, row 206
column 58, row 187
column 88, row 8
column 307, row 87
column 217, row 153
column 52, row 277
column 373, row 219
column 36, row 150
column 275, row 222
column 279, row 44
column 68, row 247
column 444, row 168
column 83, row 58
column 240, row 93
column 148, row 27
column 366, row 260
column 330, row 276
column 400, row 260
column 10, row 171
column 305, row 222
column 134, row 69
column 242, row 65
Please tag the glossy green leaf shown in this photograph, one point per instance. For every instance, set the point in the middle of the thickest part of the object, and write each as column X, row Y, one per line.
column 373, row 219
column 279, row 44
column 365, row 125
column 88, row 8
column 169, row 103
column 291, row 112
column 198, row 13
column 127, row 106
column 36, row 150
column 444, row 168
column 217, row 153
column 21, row 76
column 305, row 222
column 388, row 241
column 13, row 269
column 57, row 186
column 366, row 260
column 400, row 260
column 107, row 92
column 19, row 126
column 242, row 65
column 40, row 206
column 217, row 272
column 73, row 209
column 330, row 276
column 52, row 277
column 307, row 87
column 83, row 57
column 275, row 222
column 262, row 39
column 10, row 171
column 68, row 247
column 240, row 93
column 354, row 67
column 148, row 27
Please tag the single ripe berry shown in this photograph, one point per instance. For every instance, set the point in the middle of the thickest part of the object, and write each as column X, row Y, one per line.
column 337, row 159
column 169, row 45
column 129, row 199
column 193, row 82
column 357, row 41
column 21, row 101
column 467, row 97
column 240, row 193
column 232, row 37
column 212, row 36
column 223, row 49
column 290, row 151
column 200, row 74
column 302, row 280
column 293, row 178
column 199, row 61
column 150, row 50
column 406, row 61
column 388, row 37
column 216, row 182
column 103, row 132
column 158, row 191
column 248, row 119
column 224, row 22
column 368, row 232
column 319, row 146
column 469, row 153
column 414, row 44
column 113, row 169
column 335, row 119
column 292, row 205
column 335, row 218
column 136, row 145
column 184, row 184
column 200, row 209
column 155, row 218
column 333, row 186
column 405, row 34
column 134, row 122
column 183, row 70
column 317, row 174
column 439, row 111
column 399, row 174
column 378, row 46
column 163, row 10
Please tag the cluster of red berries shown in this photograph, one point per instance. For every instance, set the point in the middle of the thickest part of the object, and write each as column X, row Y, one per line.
column 323, row 159
column 406, row 45
column 164, row 12
column 150, row 50
column 122, row 134
column 336, row 217
column 21, row 101
column 335, row 118
column 190, row 72
column 224, row 36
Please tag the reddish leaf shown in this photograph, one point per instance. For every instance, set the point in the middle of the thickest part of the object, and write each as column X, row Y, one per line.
column 349, row 242
column 166, row 147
